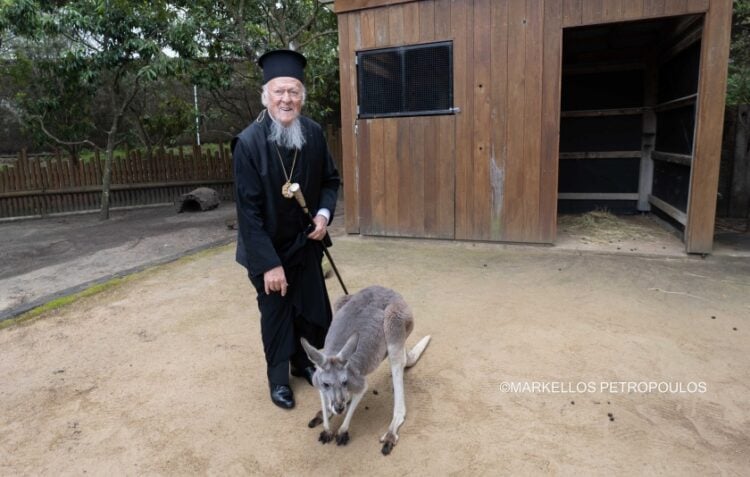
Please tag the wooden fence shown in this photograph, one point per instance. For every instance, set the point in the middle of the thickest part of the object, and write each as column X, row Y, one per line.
column 45, row 185
column 34, row 187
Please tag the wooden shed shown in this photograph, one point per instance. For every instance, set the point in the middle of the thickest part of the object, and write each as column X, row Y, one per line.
column 480, row 119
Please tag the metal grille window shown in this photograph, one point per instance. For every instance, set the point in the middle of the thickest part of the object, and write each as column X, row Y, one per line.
column 406, row 81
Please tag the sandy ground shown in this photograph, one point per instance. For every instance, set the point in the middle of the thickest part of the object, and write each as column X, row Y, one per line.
column 163, row 375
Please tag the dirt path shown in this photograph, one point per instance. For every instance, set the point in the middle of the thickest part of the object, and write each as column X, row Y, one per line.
column 43, row 259
column 163, row 375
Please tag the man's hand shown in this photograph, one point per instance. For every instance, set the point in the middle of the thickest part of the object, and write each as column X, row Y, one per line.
column 275, row 281
column 320, row 228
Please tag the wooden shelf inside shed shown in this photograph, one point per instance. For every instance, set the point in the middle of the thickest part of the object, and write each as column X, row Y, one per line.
column 595, row 113
column 601, row 155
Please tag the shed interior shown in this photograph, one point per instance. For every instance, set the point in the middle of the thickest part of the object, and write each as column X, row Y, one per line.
column 628, row 104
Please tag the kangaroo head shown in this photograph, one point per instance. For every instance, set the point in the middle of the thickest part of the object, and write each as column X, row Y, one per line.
column 333, row 377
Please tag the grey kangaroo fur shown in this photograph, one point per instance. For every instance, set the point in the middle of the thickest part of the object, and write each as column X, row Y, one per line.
column 367, row 326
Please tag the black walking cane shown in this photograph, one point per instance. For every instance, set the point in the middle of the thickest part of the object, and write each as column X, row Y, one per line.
column 295, row 189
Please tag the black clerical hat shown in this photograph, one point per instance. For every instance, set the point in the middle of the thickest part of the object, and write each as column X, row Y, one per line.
column 282, row 63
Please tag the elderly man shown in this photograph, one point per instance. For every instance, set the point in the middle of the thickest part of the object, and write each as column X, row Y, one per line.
column 276, row 243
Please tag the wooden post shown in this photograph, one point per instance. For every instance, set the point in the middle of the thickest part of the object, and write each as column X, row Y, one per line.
column 24, row 170
column 704, row 177
column 648, row 141
column 4, row 179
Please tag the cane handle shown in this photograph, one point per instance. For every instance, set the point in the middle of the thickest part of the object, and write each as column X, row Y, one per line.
column 297, row 191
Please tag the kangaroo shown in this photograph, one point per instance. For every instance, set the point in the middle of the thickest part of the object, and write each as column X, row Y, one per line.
column 367, row 326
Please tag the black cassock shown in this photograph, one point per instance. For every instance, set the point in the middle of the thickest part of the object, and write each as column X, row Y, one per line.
column 271, row 232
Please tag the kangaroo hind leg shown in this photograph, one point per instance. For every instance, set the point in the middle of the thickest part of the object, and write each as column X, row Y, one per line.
column 397, row 323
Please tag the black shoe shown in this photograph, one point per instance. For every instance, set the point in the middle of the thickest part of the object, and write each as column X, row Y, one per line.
column 306, row 372
column 282, row 396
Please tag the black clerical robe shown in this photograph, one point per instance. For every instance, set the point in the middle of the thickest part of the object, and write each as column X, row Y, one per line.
column 271, row 232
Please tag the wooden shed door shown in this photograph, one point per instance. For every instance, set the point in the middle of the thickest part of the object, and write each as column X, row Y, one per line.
column 406, row 176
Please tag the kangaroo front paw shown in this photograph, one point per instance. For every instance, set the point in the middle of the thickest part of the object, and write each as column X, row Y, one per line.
column 389, row 441
column 342, row 439
column 325, row 437
column 316, row 421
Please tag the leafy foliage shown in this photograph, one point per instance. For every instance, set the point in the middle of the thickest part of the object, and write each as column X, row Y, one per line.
column 53, row 93
column 109, row 50
column 738, row 89
column 230, row 36
column 77, row 54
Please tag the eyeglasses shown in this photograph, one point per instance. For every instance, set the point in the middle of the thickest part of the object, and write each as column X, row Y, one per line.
column 293, row 93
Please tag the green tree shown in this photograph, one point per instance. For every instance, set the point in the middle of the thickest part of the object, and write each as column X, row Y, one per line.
column 738, row 89
column 47, row 97
column 109, row 51
column 158, row 116
column 230, row 31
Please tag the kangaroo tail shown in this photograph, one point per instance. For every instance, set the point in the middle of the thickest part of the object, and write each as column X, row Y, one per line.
column 413, row 356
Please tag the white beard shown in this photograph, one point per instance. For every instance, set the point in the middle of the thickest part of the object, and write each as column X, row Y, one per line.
column 290, row 137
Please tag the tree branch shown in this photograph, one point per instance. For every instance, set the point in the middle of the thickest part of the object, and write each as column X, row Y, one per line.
column 81, row 41
column 60, row 141
column 308, row 23
column 273, row 25
column 316, row 36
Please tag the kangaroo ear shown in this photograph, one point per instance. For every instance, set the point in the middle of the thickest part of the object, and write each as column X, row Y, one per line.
column 315, row 356
column 349, row 348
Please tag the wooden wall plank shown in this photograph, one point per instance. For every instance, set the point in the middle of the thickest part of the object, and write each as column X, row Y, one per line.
column 481, row 147
column 572, row 12
column 411, row 23
column 367, row 202
column 431, row 177
column 423, row 146
column 632, row 9
column 675, row 7
column 414, row 190
column 405, row 176
column 377, row 176
column 709, row 123
column 592, row 12
column 533, row 118
column 396, row 24
column 391, row 155
column 697, row 6
column 552, row 72
column 612, row 10
column 367, row 29
column 499, row 117
column 392, row 159
column 442, row 19
column 349, row 39
column 426, row 21
column 461, row 25
column 653, row 8
column 441, row 196
column 513, row 198
column 382, row 36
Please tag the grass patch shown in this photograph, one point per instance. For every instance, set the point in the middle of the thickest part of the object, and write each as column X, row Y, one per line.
column 101, row 287
column 63, row 301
